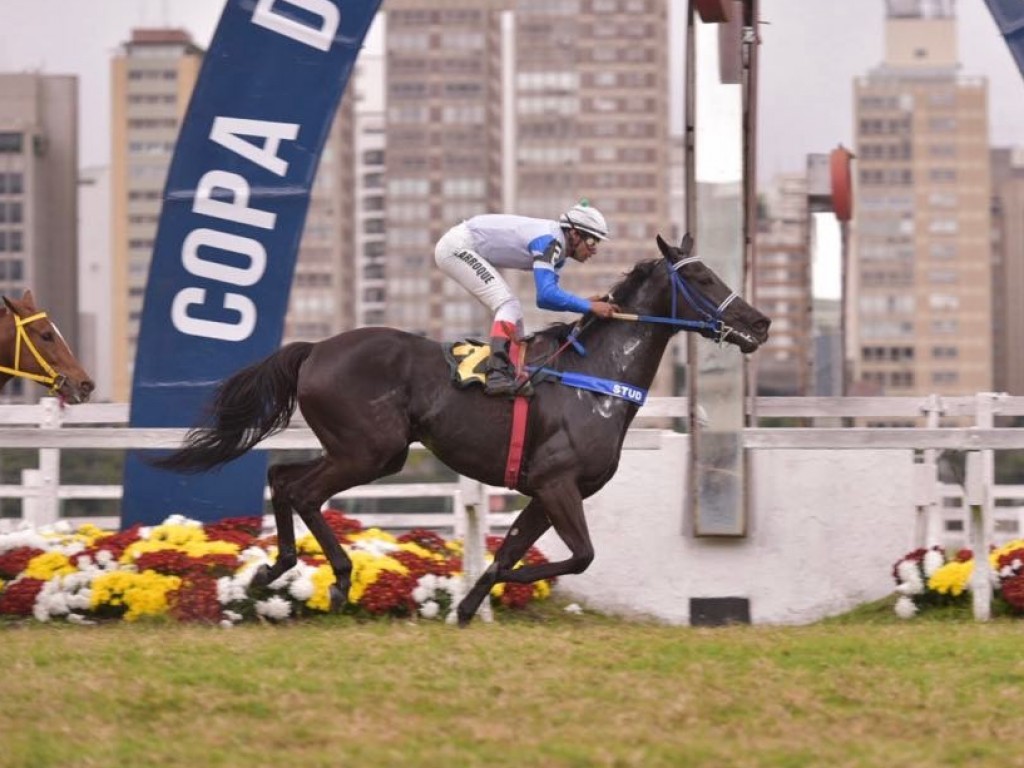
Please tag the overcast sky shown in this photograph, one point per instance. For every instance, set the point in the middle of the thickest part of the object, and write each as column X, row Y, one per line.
column 811, row 51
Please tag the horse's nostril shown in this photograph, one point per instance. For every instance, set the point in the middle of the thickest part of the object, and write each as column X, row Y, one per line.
column 762, row 325
column 88, row 386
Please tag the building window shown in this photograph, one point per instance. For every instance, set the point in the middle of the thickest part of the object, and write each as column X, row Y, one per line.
column 11, row 142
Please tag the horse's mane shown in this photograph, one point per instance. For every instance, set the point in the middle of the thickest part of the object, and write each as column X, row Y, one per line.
column 621, row 294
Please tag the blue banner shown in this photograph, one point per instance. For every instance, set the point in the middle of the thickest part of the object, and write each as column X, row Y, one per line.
column 1009, row 17
column 234, row 208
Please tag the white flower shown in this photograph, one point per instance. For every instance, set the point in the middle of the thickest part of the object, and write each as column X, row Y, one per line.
column 911, row 588
column 233, row 616
column 573, row 608
column 421, row 594
column 933, row 560
column 908, row 570
column 428, row 581
column 429, row 609
column 226, row 624
column 75, row 618
column 275, row 608
column 905, row 607
column 302, row 588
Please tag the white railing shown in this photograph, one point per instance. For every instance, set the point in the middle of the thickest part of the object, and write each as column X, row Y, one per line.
column 50, row 429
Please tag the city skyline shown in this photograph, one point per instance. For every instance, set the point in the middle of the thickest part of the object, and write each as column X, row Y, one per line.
column 820, row 96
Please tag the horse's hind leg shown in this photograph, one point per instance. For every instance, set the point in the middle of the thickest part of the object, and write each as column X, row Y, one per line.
column 529, row 526
column 279, row 477
column 308, row 493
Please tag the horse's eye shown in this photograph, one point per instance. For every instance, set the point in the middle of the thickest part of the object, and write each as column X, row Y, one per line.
column 47, row 336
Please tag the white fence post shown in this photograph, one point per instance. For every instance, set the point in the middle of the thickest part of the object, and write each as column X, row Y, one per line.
column 929, row 523
column 977, row 503
column 48, row 510
column 474, row 543
column 32, row 480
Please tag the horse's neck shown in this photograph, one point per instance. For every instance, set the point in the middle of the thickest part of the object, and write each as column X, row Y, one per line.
column 626, row 351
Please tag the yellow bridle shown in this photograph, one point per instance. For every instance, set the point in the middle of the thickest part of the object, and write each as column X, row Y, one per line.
column 52, row 378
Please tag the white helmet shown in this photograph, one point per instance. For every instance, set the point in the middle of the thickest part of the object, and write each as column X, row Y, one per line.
column 585, row 218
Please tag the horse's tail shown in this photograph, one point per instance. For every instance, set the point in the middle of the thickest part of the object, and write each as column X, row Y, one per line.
column 250, row 405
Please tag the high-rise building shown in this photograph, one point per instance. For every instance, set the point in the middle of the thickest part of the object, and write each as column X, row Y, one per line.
column 590, row 95
column 444, row 141
column 38, row 199
column 152, row 78
column 523, row 107
column 919, row 318
column 1008, row 269
column 322, row 299
column 94, row 278
column 783, row 280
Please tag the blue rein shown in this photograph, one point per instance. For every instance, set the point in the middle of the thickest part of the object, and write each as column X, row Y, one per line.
column 711, row 314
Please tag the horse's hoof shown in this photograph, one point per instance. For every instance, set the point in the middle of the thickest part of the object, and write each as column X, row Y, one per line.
column 464, row 616
column 339, row 597
column 261, row 578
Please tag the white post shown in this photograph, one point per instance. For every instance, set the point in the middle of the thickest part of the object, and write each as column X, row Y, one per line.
column 975, row 498
column 928, row 528
column 474, row 542
column 31, row 481
column 49, row 466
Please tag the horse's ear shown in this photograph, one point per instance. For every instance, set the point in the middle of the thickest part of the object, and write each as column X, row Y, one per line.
column 686, row 244
column 666, row 249
column 8, row 305
column 28, row 298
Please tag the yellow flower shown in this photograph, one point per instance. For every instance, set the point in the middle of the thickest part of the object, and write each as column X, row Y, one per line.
column 323, row 577
column 541, row 589
column 48, row 565
column 366, row 567
column 192, row 548
column 951, row 578
column 374, row 533
column 144, row 594
column 308, row 545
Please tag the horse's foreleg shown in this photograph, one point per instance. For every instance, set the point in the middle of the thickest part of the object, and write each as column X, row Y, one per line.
column 529, row 526
column 278, row 477
column 563, row 508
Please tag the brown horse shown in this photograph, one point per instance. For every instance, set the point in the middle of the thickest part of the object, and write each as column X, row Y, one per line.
column 32, row 348
column 368, row 394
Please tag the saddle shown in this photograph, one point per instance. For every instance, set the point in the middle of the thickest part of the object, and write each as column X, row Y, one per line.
column 467, row 360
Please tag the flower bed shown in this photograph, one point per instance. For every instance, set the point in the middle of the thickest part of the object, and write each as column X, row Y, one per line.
column 932, row 577
column 194, row 572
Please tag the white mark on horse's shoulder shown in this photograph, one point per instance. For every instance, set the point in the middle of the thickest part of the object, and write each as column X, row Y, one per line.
column 630, row 346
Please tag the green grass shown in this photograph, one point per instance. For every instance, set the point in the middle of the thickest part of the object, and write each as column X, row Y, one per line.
column 543, row 689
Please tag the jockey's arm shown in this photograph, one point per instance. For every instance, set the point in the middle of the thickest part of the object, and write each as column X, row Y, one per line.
column 545, row 279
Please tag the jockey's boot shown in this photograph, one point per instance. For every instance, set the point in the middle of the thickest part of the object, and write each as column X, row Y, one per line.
column 501, row 374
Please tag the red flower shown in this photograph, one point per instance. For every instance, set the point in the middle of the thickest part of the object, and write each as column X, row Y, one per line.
column 242, row 531
column 196, row 600
column 14, row 561
column 341, row 525
column 114, row 543
column 516, row 595
column 174, row 562
column 426, row 539
column 390, row 594
column 1013, row 591
column 19, row 597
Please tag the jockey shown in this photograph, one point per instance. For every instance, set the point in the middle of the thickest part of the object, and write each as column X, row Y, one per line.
column 469, row 253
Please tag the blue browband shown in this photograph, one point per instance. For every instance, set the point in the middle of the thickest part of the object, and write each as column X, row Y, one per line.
column 636, row 395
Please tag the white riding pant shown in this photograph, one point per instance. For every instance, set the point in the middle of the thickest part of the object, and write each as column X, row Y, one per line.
column 455, row 256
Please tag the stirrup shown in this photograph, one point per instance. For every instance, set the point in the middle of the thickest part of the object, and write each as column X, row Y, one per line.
column 503, row 386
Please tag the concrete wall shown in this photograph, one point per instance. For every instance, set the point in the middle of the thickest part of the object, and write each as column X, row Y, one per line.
column 825, row 528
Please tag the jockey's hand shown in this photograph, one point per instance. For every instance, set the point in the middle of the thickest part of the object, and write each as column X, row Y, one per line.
column 603, row 309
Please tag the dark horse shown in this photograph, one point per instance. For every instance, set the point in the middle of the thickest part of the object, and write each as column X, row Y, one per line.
column 32, row 348
column 369, row 393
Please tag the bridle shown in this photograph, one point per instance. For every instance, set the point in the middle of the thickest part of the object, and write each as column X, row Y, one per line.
column 52, row 379
column 712, row 316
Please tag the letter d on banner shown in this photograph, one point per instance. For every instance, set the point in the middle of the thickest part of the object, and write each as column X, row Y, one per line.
column 234, row 208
